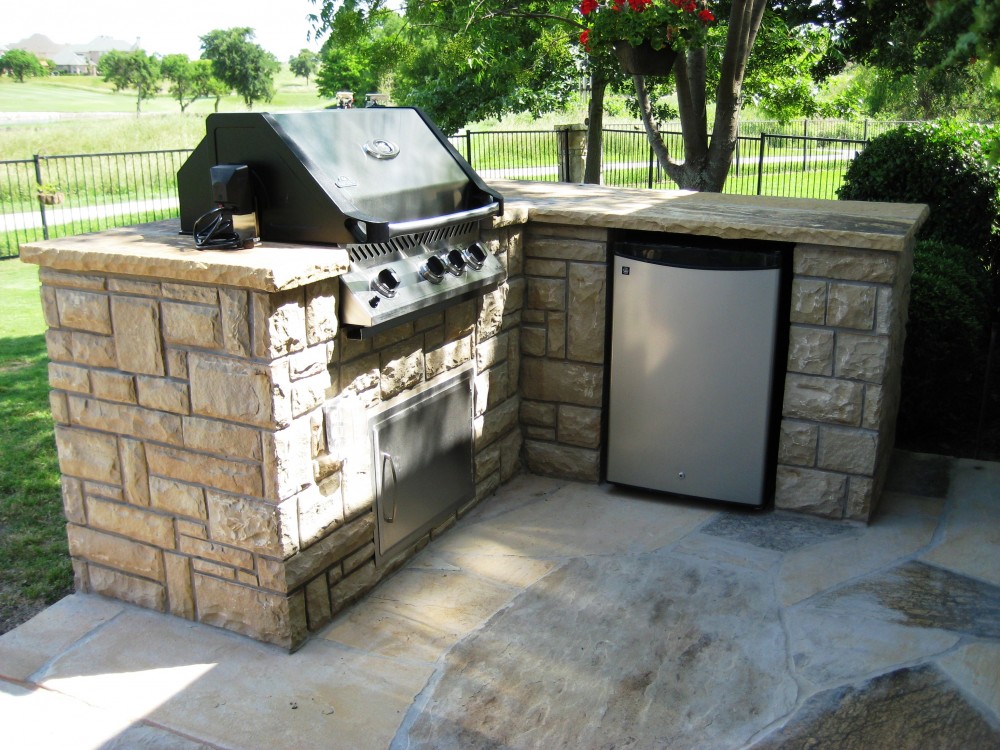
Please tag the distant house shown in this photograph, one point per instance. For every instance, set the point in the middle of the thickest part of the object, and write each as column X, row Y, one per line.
column 73, row 59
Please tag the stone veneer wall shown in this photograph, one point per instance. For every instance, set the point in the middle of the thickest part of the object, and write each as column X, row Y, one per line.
column 841, row 396
column 189, row 425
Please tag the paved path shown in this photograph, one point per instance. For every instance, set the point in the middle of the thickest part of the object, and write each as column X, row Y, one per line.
column 67, row 215
column 566, row 615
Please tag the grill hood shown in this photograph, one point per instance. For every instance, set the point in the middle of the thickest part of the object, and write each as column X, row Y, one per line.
column 339, row 176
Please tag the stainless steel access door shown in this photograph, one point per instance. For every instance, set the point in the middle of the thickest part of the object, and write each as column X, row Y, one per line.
column 692, row 352
column 423, row 461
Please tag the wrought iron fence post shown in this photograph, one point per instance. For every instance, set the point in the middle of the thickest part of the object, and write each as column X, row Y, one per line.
column 649, row 174
column 760, row 163
column 805, row 145
column 39, row 182
column 468, row 146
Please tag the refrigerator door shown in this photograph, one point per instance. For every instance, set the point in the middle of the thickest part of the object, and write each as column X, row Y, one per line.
column 692, row 355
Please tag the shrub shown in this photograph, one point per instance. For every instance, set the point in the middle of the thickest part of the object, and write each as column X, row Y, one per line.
column 943, row 166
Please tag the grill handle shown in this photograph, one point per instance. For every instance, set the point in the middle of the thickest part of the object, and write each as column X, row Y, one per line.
column 394, row 229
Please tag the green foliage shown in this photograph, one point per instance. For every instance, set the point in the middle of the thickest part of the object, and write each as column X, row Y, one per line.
column 304, row 64
column 131, row 70
column 940, row 165
column 242, row 65
column 679, row 25
column 20, row 64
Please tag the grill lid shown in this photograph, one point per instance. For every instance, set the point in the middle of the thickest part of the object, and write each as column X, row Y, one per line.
column 339, row 176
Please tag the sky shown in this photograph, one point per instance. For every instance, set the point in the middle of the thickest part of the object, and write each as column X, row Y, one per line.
column 280, row 26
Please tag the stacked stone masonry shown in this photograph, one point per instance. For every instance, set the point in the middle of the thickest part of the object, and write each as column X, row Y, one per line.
column 196, row 478
column 847, row 322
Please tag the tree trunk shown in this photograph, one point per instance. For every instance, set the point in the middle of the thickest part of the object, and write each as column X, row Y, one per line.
column 706, row 160
column 595, row 129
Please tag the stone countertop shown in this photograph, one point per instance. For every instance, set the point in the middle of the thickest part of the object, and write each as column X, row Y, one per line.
column 878, row 226
column 159, row 251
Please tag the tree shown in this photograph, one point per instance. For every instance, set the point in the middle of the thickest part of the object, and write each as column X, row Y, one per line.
column 205, row 84
column 242, row 65
column 131, row 70
column 191, row 80
column 20, row 64
column 304, row 64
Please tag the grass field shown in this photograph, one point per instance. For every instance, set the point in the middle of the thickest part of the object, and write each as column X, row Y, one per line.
column 34, row 559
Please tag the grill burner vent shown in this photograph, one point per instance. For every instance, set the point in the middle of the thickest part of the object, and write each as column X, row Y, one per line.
column 370, row 251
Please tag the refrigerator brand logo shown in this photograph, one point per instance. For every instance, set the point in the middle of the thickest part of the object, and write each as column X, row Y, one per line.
column 625, row 270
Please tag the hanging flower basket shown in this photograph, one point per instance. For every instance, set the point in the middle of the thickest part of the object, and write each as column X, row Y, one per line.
column 50, row 198
column 643, row 60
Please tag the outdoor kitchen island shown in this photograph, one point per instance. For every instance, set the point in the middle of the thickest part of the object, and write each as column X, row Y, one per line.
column 188, row 389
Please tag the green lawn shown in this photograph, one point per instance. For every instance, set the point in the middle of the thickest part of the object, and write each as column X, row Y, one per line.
column 34, row 560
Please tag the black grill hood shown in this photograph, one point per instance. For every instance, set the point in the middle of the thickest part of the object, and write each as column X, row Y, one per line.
column 339, row 176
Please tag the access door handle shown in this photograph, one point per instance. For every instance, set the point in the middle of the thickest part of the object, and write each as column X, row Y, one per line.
column 386, row 515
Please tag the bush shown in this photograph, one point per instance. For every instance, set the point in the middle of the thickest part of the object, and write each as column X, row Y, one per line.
column 943, row 166
column 946, row 343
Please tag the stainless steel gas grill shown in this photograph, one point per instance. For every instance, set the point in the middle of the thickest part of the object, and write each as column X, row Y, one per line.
column 383, row 183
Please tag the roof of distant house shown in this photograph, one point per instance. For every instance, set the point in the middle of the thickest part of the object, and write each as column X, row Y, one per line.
column 68, row 57
column 105, row 44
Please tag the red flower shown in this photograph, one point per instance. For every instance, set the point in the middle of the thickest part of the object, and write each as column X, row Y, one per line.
column 690, row 7
column 706, row 16
column 588, row 6
column 585, row 39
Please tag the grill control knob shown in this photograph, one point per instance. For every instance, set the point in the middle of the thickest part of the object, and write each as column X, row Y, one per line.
column 386, row 282
column 456, row 261
column 476, row 255
column 433, row 270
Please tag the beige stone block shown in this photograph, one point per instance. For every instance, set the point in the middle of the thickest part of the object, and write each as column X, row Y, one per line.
column 326, row 465
column 847, row 264
column 84, row 348
column 543, row 267
column 358, row 558
column 134, row 523
column 533, row 317
column 137, row 340
column 219, row 473
column 797, row 443
column 126, row 588
column 243, row 522
column 516, row 294
column 87, row 454
column 222, row 438
column 115, row 551
column 514, row 361
column 193, row 529
column 823, row 399
column 134, row 286
column 318, row 513
column 533, row 342
column 113, row 386
column 177, row 366
column 213, row 569
column 85, row 311
column 329, row 551
column 489, row 389
column 570, row 248
column 221, row 553
column 492, row 351
column 496, row 422
column 310, row 392
column 192, row 325
column 394, row 335
column 279, row 323
column 851, row 306
column 103, row 490
column 177, row 498
column 510, row 455
column 852, row 451
column 580, row 426
column 124, row 419
column 59, row 407
column 321, row 311
column 231, row 389
column 205, row 295
column 538, row 413
column 484, row 488
column 180, row 591
column 307, row 363
column 556, row 336
column 447, row 356
column 72, row 496
column 862, row 357
column 546, row 294
column 570, row 462
column 288, row 460
column 564, row 231
column 67, row 377
column 860, row 499
column 357, row 490
column 810, row 350
column 352, row 587
column 486, row 462
column 361, row 376
column 534, row 432
column 808, row 301
column 887, row 311
column 52, row 277
column 566, row 382
column 135, row 473
column 50, row 310
column 819, row 493
column 245, row 610
column 587, row 302
column 271, row 574
column 491, row 312
column 234, row 310
column 318, row 602
column 163, row 394
column 875, row 407
column 402, row 367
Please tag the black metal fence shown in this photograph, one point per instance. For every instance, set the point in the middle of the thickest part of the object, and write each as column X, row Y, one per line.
column 57, row 196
